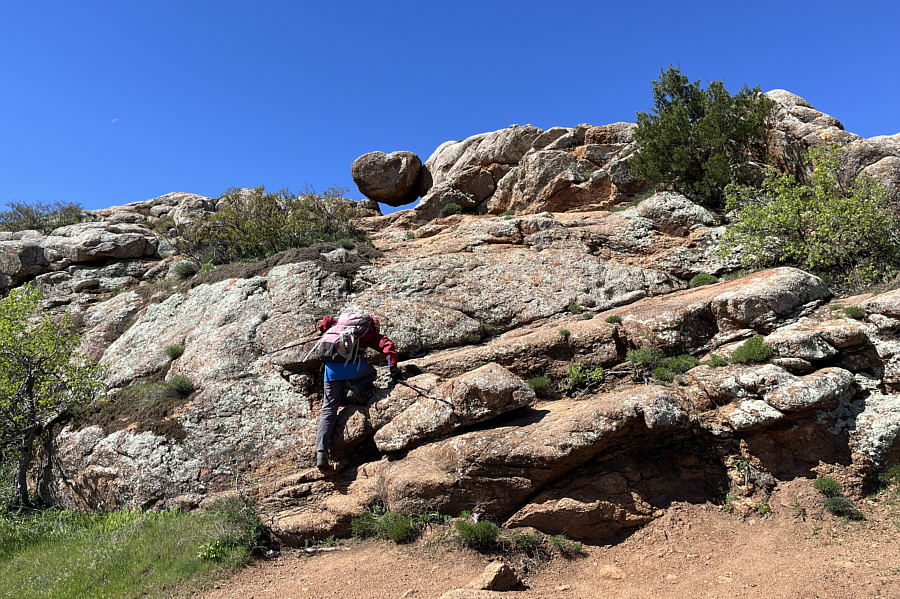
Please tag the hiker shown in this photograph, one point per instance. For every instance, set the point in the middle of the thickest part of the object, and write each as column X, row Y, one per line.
column 342, row 347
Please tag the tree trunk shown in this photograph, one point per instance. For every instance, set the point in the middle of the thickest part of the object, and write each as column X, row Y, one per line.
column 20, row 482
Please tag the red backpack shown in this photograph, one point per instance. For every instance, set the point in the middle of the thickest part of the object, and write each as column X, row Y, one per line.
column 341, row 342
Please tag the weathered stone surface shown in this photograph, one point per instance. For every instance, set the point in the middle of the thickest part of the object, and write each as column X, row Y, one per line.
column 389, row 178
column 497, row 576
column 476, row 396
column 674, row 214
column 692, row 318
column 496, row 469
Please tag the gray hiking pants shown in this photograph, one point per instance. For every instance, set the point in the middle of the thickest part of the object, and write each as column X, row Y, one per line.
column 335, row 392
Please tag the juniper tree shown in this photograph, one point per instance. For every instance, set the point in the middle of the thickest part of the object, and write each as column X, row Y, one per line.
column 696, row 141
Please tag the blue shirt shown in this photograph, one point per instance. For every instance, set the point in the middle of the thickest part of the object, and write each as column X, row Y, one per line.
column 338, row 371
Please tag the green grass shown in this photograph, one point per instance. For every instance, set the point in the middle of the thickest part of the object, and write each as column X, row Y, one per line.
column 174, row 351
column 524, row 541
column 854, row 312
column 564, row 333
column 614, row 319
column 703, row 279
column 827, row 486
column 451, row 209
column 644, row 358
column 540, row 383
column 841, row 506
column 763, row 509
column 752, row 351
column 717, row 361
column 127, row 554
column 182, row 384
column 579, row 378
column 480, row 535
column 381, row 523
column 186, row 269
column 574, row 308
column 566, row 547
column 681, row 364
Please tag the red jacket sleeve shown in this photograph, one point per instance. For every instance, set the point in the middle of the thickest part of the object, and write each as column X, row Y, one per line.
column 386, row 347
column 326, row 323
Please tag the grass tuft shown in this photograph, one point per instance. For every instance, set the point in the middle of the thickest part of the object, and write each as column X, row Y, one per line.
column 752, row 351
column 174, row 351
column 614, row 319
column 478, row 535
column 703, row 279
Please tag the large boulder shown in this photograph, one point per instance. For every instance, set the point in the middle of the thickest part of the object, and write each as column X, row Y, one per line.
column 389, row 178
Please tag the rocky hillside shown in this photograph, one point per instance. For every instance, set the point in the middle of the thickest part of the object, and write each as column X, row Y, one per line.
column 550, row 243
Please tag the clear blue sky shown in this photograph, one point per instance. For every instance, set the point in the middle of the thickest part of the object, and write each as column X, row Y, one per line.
column 105, row 103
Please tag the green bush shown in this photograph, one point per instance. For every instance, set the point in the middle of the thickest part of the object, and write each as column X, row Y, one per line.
column 854, row 312
column 681, row 364
column 540, row 383
column 717, row 361
column 752, row 351
column 480, row 535
column 579, row 378
column 451, row 209
column 827, row 486
column 381, row 523
column 763, row 509
column 574, row 308
column 174, row 351
column 182, row 384
column 524, row 541
column 841, row 506
column 185, row 269
column 41, row 216
column 662, row 374
column 565, row 547
column 252, row 224
column 846, row 233
column 697, row 141
column 564, row 333
column 703, row 279
column 474, row 338
column 587, row 316
column 614, row 319
column 644, row 358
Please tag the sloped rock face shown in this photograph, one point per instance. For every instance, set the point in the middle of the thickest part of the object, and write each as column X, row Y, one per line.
column 477, row 306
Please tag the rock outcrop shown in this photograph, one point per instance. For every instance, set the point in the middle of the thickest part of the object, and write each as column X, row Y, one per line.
column 553, row 263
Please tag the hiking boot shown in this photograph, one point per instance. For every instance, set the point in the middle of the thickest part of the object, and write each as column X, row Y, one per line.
column 322, row 462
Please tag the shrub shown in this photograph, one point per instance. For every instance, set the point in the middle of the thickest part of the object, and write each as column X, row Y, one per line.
column 614, row 319
column 752, row 351
column 703, row 279
column 681, row 364
column 574, row 308
column 451, row 209
column 479, row 535
column 523, row 541
column 185, row 269
column 174, row 351
column 854, row 312
column 717, row 361
column 587, row 316
column 564, row 546
column 540, row 383
column 763, row 509
column 844, row 232
column 564, row 333
column 662, row 374
column 381, row 523
column 697, row 141
column 182, row 384
column 644, row 358
column 41, row 216
column 474, row 337
column 841, row 506
column 580, row 378
column 252, row 224
column 827, row 486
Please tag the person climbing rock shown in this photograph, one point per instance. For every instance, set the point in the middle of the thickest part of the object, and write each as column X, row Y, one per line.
column 342, row 348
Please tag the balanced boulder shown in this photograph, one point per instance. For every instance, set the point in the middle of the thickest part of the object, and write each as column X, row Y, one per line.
column 389, row 178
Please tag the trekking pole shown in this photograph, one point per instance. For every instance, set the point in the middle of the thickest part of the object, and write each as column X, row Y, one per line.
column 293, row 345
column 427, row 392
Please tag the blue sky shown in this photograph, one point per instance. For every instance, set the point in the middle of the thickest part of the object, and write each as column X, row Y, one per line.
column 105, row 103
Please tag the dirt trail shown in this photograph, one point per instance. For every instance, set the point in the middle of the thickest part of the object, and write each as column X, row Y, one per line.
column 695, row 551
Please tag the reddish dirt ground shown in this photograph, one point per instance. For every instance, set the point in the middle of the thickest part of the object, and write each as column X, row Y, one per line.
column 695, row 551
